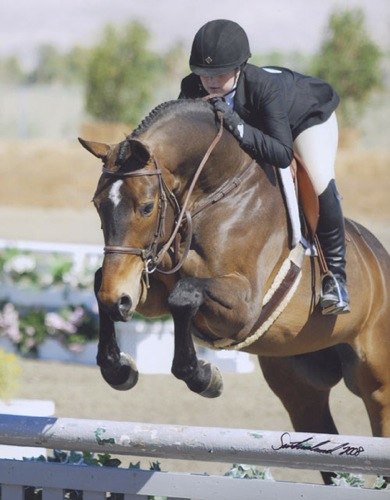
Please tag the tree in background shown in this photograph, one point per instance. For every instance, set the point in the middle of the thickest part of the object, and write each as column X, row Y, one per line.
column 350, row 61
column 122, row 75
column 54, row 66
column 49, row 67
column 11, row 70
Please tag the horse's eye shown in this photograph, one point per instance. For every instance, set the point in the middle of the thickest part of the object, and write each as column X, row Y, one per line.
column 146, row 209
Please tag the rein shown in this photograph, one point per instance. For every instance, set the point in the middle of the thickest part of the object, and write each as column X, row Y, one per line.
column 151, row 256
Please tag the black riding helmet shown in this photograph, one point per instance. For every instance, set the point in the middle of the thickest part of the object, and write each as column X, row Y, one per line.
column 219, row 47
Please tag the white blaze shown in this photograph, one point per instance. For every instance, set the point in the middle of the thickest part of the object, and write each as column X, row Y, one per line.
column 114, row 194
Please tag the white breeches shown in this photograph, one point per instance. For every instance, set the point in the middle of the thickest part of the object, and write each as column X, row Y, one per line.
column 317, row 146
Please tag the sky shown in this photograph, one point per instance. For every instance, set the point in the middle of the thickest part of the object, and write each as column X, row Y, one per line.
column 271, row 24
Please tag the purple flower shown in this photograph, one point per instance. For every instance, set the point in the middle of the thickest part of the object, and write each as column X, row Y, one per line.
column 76, row 317
column 54, row 322
column 9, row 323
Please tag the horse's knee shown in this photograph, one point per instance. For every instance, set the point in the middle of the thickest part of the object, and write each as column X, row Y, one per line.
column 187, row 294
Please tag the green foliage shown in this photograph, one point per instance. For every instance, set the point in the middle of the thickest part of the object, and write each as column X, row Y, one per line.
column 84, row 458
column 32, row 330
column 122, row 75
column 295, row 60
column 347, row 479
column 350, row 61
column 49, row 65
column 243, row 471
column 28, row 327
column 55, row 66
column 11, row 70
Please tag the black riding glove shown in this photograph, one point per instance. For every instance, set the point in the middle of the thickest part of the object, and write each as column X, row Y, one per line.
column 231, row 119
column 263, row 148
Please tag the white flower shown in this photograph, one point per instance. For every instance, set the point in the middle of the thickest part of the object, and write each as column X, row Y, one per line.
column 46, row 279
column 20, row 264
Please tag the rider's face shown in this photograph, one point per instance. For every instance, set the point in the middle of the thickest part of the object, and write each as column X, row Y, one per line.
column 221, row 84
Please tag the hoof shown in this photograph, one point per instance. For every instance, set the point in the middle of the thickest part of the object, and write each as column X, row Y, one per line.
column 215, row 386
column 125, row 377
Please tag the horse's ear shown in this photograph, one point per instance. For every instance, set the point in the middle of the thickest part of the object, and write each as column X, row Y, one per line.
column 139, row 150
column 98, row 149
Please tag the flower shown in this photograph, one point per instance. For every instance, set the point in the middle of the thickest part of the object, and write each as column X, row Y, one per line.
column 56, row 323
column 77, row 316
column 9, row 323
column 20, row 264
column 27, row 328
column 44, row 269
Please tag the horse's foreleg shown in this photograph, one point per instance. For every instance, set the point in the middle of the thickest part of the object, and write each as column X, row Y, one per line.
column 201, row 377
column 117, row 368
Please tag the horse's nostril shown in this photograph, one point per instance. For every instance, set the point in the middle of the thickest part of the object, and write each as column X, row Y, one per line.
column 125, row 300
column 124, row 305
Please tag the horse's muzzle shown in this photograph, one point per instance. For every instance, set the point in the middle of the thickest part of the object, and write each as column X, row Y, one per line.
column 119, row 310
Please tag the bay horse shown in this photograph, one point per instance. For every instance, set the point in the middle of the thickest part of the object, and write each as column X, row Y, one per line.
column 201, row 232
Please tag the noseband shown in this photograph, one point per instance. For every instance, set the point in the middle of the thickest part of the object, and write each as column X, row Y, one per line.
column 151, row 256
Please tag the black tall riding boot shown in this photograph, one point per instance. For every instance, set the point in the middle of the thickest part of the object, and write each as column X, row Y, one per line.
column 331, row 234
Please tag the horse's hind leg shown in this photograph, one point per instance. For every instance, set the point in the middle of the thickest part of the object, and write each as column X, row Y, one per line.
column 201, row 377
column 303, row 385
column 117, row 368
column 370, row 373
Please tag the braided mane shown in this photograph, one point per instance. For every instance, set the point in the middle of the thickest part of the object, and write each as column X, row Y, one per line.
column 153, row 116
column 159, row 111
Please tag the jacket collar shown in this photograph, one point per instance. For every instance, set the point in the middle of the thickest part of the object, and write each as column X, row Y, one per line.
column 240, row 103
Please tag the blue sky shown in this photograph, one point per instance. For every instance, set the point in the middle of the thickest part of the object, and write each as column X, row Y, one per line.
column 270, row 24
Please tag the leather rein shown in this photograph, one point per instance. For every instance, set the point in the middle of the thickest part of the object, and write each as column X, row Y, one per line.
column 152, row 256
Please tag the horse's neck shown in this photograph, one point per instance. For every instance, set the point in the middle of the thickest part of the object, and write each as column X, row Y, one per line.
column 181, row 149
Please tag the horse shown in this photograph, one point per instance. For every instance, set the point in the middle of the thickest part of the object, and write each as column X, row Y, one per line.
column 195, row 228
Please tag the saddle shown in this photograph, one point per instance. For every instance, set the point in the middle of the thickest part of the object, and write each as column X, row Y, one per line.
column 309, row 207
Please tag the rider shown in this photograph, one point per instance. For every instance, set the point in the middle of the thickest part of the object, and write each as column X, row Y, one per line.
column 272, row 111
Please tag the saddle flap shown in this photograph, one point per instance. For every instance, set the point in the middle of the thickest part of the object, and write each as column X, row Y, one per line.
column 307, row 197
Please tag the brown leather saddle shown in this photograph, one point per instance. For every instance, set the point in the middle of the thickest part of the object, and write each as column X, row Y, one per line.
column 309, row 205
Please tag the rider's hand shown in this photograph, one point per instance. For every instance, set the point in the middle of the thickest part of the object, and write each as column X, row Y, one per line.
column 231, row 119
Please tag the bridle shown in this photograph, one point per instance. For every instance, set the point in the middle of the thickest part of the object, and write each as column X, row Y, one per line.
column 153, row 256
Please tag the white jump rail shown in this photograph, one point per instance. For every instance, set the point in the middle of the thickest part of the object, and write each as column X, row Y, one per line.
column 295, row 450
column 354, row 454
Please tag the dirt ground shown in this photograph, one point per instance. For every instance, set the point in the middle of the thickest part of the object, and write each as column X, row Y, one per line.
column 45, row 194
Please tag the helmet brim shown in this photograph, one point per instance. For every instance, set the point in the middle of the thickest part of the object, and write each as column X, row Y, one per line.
column 207, row 71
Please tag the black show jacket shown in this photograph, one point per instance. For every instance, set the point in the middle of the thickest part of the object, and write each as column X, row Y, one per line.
column 276, row 105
